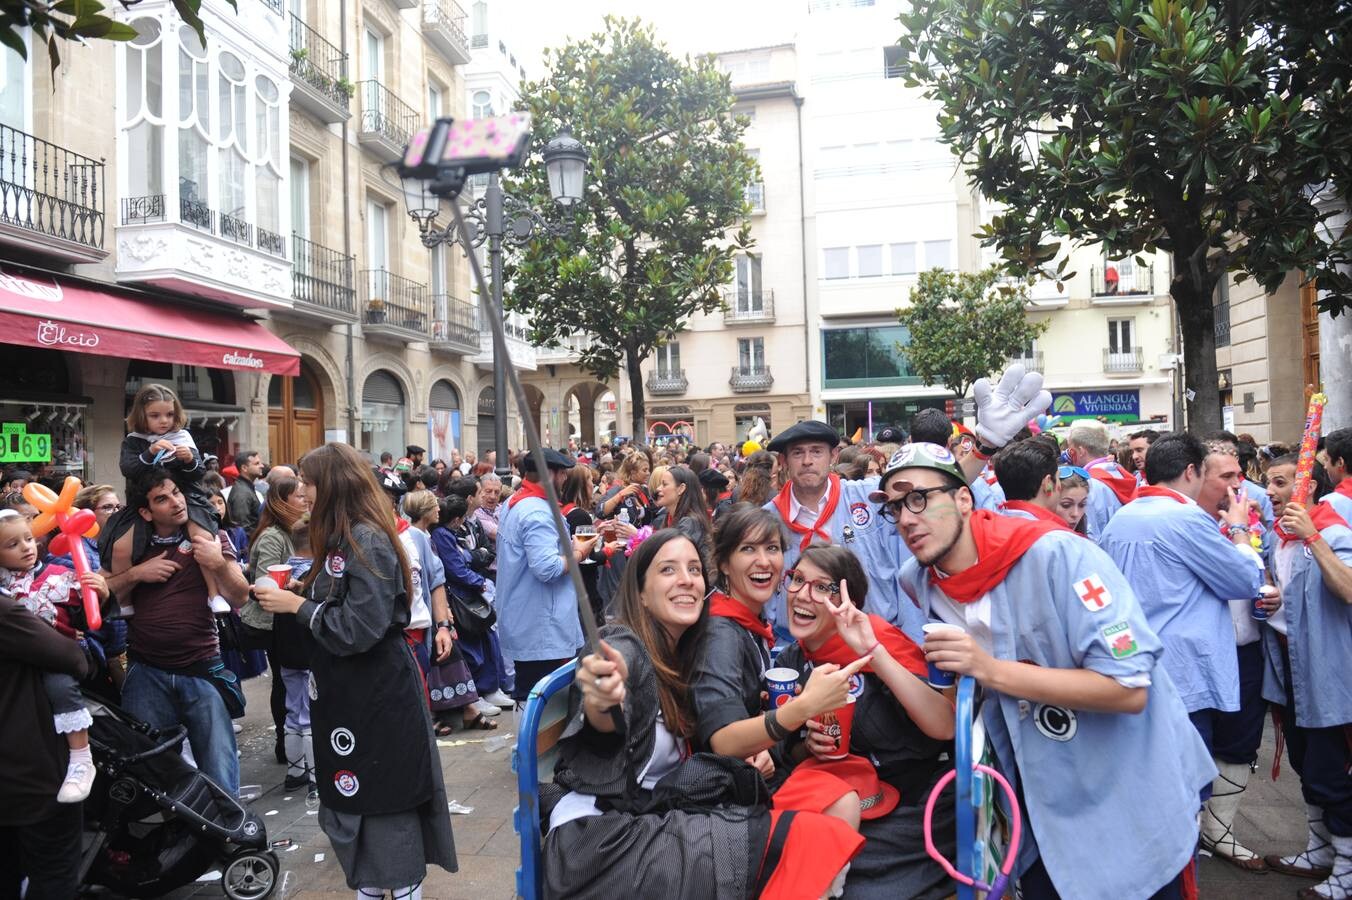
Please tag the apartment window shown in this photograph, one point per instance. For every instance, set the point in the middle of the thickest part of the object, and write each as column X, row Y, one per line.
column 232, row 130
column 751, row 355
column 864, row 357
column 478, row 18
column 938, row 254
column 749, row 296
column 434, row 102
column 669, row 360
column 870, row 260
column 903, row 259
column 16, row 86
column 1120, row 334
column 145, row 111
column 373, row 42
column 300, row 198
column 437, row 262
column 482, row 104
column 268, row 168
column 892, row 58
column 1221, row 312
column 836, row 262
column 377, row 234
column 194, row 117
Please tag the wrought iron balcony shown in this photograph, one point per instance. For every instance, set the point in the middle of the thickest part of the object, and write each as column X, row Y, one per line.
column 236, row 229
column 321, row 280
column 387, row 122
column 748, row 307
column 668, row 383
column 455, row 325
column 394, row 307
column 1126, row 361
column 1134, row 282
column 50, row 198
column 748, row 379
column 318, row 74
column 443, row 24
column 1030, row 362
column 277, row 6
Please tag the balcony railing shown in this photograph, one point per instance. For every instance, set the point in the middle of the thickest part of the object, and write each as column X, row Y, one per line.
column 320, row 66
column 322, row 277
column 277, row 6
column 236, row 229
column 746, row 379
column 391, row 301
column 1030, row 362
column 567, row 351
column 49, row 190
column 1221, row 312
column 197, row 214
column 454, row 322
column 271, row 242
column 385, row 119
column 668, row 383
column 443, row 22
column 152, row 208
column 1129, row 360
column 1134, row 281
column 743, row 307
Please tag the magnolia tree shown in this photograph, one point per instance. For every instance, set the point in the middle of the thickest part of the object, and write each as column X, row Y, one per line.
column 1198, row 128
column 665, row 210
column 54, row 21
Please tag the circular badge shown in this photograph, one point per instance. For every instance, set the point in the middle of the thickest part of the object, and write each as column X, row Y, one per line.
column 251, row 828
column 1055, row 722
column 335, row 565
column 856, row 687
column 185, row 547
column 860, row 514
column 345, row 781
column 343, row 741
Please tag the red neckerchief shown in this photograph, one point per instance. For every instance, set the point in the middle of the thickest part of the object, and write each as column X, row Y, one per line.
column 567, row 508
column 1321, row 514
column 527, row 489
column 1000, row 542
column 401, row 525
column 720, row 604
column 1038, row 512
column 1345, row 487
column 727, row 495
column 902, row 648
column 1156, row 490
column 818, row 528
column 1124, row 486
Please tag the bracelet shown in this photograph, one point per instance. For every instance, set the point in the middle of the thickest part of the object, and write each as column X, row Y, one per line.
column 776, row 731
column 1313, row 539
column 446, row 624
column 870, row 650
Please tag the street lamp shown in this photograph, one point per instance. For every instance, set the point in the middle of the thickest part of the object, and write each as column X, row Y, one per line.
column 495, row 218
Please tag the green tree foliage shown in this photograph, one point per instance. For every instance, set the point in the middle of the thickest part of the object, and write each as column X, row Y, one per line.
column 1193, row 127
column 665, row 209
column 965, row 326
column 54, row 21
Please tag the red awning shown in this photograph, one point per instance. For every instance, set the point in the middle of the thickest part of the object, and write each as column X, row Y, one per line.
column 44, row 311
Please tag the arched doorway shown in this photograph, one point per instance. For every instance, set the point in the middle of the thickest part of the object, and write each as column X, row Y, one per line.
column 295, row 415
column 487, row 407
column 443, row 421
column 583, row 403
column 536, row 398
column 384, row 415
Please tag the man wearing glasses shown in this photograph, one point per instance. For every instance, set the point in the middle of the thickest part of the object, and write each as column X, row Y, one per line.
column 1054, row 634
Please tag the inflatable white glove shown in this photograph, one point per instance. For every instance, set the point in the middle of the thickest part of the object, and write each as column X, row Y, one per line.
column 1006, row 409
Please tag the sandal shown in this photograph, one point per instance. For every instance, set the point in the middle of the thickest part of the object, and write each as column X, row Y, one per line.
column 480, row 723
column 443, row 729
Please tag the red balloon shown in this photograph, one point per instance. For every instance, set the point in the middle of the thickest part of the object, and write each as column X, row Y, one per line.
column 78, row 522
column 59, row 545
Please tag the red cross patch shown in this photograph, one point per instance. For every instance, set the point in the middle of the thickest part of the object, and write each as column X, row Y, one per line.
column 1093, row 594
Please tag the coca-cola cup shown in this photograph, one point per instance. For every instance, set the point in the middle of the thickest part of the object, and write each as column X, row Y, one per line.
column 280, row 574
column 938, row 677
column 836, row 724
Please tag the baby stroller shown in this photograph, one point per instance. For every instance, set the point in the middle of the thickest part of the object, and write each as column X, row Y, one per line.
column 154, row 823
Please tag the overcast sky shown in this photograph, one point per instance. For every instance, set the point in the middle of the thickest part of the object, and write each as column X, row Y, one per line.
column 686, row 26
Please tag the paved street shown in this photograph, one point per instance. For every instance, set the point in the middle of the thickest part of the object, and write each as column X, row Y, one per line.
column 1272, row 821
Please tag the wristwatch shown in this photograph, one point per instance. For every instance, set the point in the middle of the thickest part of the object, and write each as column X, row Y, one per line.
column 446, row 624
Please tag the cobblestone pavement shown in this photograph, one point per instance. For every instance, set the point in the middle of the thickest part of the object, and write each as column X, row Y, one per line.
column 1272, row 820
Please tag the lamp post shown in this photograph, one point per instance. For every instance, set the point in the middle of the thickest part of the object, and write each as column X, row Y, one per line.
column 496, row 218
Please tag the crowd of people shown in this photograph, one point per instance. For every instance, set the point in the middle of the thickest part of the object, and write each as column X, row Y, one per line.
column 771, row 703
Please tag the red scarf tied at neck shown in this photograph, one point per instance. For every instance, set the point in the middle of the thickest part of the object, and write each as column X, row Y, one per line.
column 1000, row 543
column 1124, row 486
column 720, row 604
column 902, row 648
column 527, row 489
column 1039, row 513
column 783, row 501
column 1155, row 490
column 1344, row 487
column 1321, row 514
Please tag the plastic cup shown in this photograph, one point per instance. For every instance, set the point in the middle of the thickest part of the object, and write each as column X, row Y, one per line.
column 280, row 574
column 838, row 723
column 938, row 677
column 781, row 684
column 607, row 531
column 1260, row 612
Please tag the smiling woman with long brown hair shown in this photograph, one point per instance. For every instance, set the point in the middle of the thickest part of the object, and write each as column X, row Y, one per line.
column 386, row 822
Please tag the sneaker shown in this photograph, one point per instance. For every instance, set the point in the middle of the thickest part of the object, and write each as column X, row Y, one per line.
column 499, row 699
column 235, row 727
column 79, row 781
column 295, row 782
column 485, row 708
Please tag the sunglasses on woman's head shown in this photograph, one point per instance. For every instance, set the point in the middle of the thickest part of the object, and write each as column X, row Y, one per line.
column 1067, row 471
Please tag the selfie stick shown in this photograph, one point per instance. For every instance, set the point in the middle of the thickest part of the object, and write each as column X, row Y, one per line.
column 500, row 357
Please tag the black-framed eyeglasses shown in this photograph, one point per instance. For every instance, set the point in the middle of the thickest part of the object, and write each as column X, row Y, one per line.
column 822, row 591
column 916, row 500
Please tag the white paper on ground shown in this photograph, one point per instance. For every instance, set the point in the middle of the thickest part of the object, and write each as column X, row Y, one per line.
column 319, row 857
column 213, row 875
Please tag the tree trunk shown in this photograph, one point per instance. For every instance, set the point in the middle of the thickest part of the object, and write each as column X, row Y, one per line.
column 1197, row 320
column 638, row 412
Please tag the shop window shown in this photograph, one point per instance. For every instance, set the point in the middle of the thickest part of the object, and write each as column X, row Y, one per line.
column 863, row 357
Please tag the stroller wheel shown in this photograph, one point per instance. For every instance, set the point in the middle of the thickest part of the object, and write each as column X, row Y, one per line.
column 250, row 876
